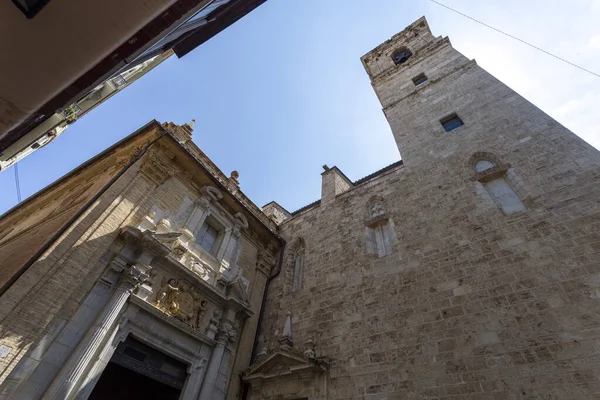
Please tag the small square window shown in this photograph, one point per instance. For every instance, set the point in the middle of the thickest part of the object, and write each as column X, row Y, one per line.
column 451, row 122
column 419, row 79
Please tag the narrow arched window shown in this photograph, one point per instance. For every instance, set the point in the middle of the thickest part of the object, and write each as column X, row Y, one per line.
column 379, row 228
column 494, row 178
column 298, row 269
column 296, row 260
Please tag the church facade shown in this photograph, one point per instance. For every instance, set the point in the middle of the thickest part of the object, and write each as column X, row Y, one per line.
column 468, row 270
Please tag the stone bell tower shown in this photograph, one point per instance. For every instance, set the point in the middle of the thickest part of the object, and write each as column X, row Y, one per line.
column 441, row 105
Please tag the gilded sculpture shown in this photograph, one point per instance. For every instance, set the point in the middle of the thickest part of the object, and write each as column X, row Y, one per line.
column 181, row 301
column 168, row 298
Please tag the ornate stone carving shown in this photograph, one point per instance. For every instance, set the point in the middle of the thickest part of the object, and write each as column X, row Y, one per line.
column 135, row 153
column 133, row 277
column 200, row 306
column 163, row 226
column 199, row 268
column 186, row 310
column 213, row 192
column 168, row 297
column 241, row 220
column 158, row 165
column 310, row 348
column 226, row 333
column 178, row 252
column 181, row 301
column 204, row 201
column 375, row 210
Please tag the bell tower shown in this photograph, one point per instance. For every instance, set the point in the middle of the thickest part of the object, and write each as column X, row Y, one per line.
column 443, row 107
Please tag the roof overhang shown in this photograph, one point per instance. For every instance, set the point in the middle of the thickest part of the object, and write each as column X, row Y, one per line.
column 217, row 21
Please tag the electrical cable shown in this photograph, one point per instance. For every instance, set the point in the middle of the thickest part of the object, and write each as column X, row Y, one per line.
column 17, row 182
column 516, row 38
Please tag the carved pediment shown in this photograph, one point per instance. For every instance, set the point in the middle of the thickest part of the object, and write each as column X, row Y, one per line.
column 282, row 362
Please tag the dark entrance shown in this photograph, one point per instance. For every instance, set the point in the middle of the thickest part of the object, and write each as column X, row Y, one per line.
column 139, row 372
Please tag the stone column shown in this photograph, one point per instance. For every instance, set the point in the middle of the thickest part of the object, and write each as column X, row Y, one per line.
column 224, row 243
column 226, row 333
column 229, row 268
column 66, row 382
column 93, row 375
column 194, row 381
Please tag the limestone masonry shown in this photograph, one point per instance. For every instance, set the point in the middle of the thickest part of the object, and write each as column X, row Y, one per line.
column 468, row 270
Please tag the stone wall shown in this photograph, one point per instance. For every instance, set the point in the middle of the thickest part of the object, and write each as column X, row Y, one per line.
column 46, row 313
column 25, row 230
column 36, row 306
column 471, row 303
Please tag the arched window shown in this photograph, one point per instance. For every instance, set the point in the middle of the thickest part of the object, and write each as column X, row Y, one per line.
column 401, row 55
column 298, row 269
column 483, row 165
column 297, row 259
column 379, row 228
column 496, row 178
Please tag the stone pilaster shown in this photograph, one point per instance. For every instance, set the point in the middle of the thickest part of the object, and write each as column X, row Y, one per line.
column 66, row 382
column 225, row 334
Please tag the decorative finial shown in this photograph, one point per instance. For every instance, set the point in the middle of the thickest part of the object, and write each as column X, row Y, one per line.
column 183, row 133
column 286, row 339
column 326, row 168
column 234, row 177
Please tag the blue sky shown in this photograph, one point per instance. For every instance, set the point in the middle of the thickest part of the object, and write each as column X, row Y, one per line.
column 283, row 91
